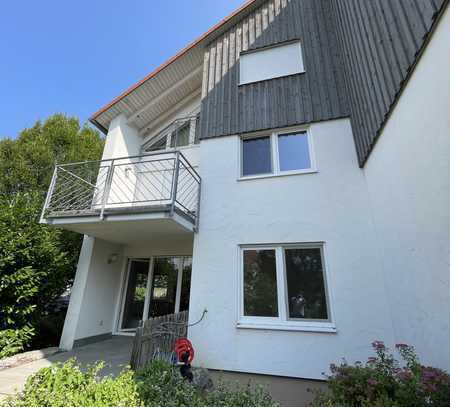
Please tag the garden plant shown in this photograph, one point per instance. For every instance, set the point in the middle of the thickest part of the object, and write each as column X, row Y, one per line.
column 384, row 381
column 159, row 384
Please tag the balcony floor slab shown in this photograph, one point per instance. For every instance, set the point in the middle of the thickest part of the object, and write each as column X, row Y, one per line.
column 127, row 228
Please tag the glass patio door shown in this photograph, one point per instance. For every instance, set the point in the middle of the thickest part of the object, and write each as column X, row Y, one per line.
column 135, row 294
column 155, row 287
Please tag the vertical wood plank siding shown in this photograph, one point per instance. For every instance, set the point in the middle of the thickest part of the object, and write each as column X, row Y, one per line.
column 379, row 43
column 318, row 94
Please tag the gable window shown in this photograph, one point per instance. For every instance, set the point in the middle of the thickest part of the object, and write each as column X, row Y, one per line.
column 182, row 132
column 284, row 287
column 276, row 154
column 180, row 137
column 271, row 62
column 160, row 144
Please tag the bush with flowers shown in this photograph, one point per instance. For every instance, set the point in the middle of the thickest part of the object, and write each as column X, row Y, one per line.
column 384, row 381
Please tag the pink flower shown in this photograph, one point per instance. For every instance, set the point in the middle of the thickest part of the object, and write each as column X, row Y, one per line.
column 401, row 346
column 371, row 360
column 372, row 382
column 431, row 387
column 404, row 375
column 378, row 345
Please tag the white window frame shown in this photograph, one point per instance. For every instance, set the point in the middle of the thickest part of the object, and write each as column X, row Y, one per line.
column 274, row 153
column 283, row 322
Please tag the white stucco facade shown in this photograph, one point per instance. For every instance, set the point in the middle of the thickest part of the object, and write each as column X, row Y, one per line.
column 94, row 292
column 329, row 206
column 408, row 179
column 385, row 230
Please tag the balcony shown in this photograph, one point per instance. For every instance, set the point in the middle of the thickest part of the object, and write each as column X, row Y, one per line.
column 125, row 200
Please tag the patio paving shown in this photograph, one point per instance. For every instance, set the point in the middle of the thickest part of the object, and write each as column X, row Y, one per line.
column 115, row 352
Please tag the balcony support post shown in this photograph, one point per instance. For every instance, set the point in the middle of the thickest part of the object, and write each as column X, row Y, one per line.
column 49, row 194
column 176, row 171
column 108, row 183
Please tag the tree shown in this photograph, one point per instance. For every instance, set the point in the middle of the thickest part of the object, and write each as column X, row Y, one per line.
column 26, row 164
column 37, row 263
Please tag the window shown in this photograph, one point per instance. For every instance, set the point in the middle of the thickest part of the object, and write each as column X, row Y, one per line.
column 256, row 156
column 197, row 129
column 260, row 283
column 293, row 152
column 284, row 287
column 160, row 144
column 277, row 154
column 271, row 62
column 180, row 137
column 305, row 284
column 182, row 132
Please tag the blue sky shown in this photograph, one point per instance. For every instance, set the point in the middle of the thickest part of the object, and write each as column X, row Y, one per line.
column 74, row 57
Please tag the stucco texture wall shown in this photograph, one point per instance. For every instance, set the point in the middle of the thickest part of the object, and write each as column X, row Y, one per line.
column 330, row 206
column 101, row 291
column 408, row 177
column 94, row 292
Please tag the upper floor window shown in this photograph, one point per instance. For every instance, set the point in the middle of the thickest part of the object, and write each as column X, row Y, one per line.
column 277, row 154
column 181, row 133
column 271, row 62
column 256, row 156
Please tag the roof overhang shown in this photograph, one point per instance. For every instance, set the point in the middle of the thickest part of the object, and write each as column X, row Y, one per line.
column 175, row 80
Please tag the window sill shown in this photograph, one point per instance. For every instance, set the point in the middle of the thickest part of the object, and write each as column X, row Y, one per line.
column 289, row 326
column 281, row 174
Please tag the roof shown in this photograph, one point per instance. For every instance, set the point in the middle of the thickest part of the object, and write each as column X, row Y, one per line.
column 191, row 54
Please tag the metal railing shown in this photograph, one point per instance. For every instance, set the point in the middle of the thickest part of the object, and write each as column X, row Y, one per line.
column 151, row 182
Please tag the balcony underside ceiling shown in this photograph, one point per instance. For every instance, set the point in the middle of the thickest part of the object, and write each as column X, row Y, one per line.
column 128, row 229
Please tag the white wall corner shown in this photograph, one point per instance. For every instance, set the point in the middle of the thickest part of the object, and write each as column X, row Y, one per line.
column 76, row 296
column 122, row 140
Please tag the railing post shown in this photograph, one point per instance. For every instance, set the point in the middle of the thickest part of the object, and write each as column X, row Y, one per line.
column 49, row 194
column 197, row 212
column 175, row 182
column 107, row 189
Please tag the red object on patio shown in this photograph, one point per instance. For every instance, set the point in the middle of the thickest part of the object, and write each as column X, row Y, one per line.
column 183, row 346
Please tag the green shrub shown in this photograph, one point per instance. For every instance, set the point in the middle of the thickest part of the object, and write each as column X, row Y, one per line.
column 13, row 341
column 160, row 384
column 384, row 382
column 241, row 397
column 65, row 385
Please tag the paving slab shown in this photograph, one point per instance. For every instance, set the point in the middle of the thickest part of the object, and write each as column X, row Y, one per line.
column 115, row 352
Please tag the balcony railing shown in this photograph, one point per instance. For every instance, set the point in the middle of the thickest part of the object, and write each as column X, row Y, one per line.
column 162, row 181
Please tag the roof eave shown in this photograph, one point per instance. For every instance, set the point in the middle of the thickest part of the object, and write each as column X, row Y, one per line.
column 246, row 7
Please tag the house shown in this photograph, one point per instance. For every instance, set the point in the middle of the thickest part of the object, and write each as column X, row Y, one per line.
column 289, row 173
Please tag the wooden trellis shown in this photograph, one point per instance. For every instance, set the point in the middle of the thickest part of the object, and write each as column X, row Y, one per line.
column 155, row 339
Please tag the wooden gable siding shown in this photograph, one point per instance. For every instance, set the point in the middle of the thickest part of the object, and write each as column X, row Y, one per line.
column 380, row 41
column 318, row 94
